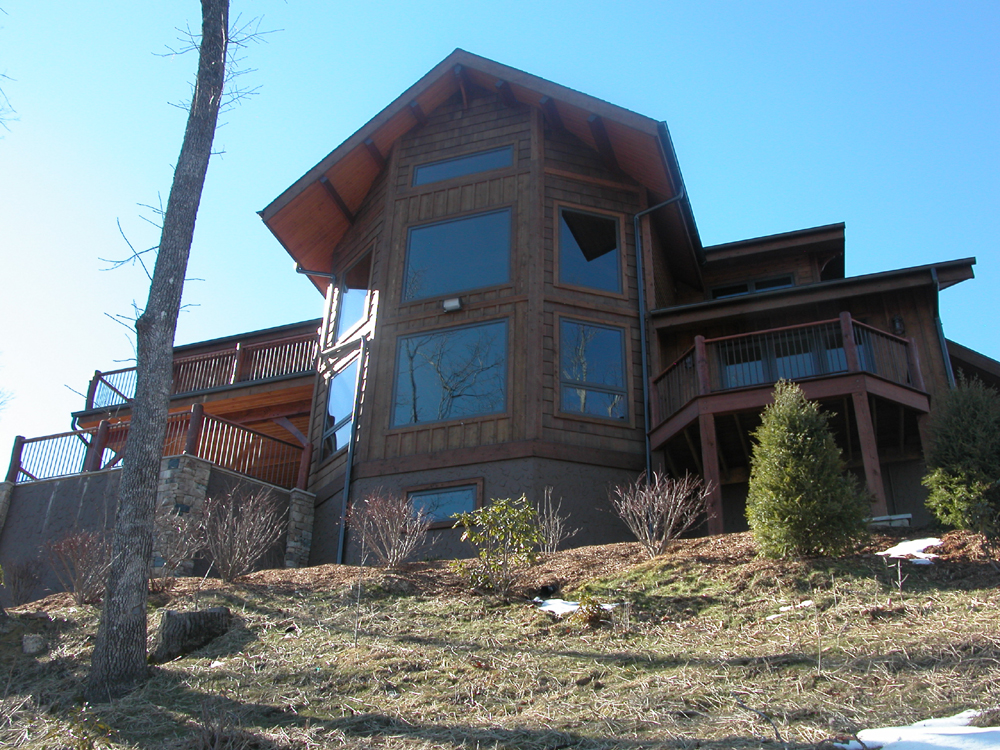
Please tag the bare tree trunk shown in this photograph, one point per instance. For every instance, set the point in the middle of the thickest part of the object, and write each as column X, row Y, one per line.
column 119, row 661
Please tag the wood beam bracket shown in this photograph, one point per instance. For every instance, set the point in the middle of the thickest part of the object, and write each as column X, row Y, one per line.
column 332, row 192
column 375, row 154
column 418, row 113
column 603, row 142
column 463, row 84
column 507, row 95
column 551, row 113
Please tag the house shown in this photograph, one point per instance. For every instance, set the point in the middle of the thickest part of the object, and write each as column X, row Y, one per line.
column 517, row 297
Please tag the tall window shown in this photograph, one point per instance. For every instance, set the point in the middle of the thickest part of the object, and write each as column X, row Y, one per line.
column 459, row 372
column 592, row 370
column 588, row 251
column 457, row 255
column 353, row 297
column 340, row 399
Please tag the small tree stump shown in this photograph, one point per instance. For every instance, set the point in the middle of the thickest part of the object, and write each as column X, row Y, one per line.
column 180, row 633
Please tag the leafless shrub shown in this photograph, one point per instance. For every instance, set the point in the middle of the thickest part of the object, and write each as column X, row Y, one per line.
column 390, row 526
column 81, row 561
column 179, row 535
column 662, row 509
column 21, row 579
column 240, row 528
column 552, row 523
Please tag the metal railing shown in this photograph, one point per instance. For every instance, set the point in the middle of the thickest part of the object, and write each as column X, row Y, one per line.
column 225, row 444
column 200, row 372
column 799, row 352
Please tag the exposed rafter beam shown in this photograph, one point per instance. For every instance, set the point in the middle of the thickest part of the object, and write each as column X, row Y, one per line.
column 463, row 84
column 552, row 116
column 375, row 154
column 507, row 94
column 418, row 113
column 332, row 192
column 602, row 141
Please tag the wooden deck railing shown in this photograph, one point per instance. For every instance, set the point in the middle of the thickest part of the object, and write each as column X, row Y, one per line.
column 240, row 364
column 797, row 352
column 225, row 444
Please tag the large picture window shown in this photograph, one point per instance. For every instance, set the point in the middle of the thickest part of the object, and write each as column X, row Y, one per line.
column 340, row 399
column 459, row 372
column 592, row 370
column 457, row 255
column 588, row 251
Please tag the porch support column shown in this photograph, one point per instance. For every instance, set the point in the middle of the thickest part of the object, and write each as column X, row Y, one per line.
column 869, row 453
column 710, row 471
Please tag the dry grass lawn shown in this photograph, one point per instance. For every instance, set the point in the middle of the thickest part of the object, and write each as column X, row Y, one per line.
column 710, row 647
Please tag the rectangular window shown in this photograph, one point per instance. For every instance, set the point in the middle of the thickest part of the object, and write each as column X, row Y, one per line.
column 353, row 297
column 457, row 255
column 441, row 504
column 460, row 166
column 588, row 251
column 459, row 372
column 752, row 287
column 592, row 370
column 340, row 398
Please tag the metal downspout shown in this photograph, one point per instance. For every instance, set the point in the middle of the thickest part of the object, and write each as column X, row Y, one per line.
column 640, row 273
column 362, row 357
column 940, row 329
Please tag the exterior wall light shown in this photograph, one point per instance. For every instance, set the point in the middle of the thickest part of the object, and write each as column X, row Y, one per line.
column 897, row 325
column 452, row 304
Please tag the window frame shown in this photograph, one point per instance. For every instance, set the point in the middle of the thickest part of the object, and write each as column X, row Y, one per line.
column 625, row 329
column 355, row 357
column 508, row 208
column 414, row 169
column 505, row 410
column 476, row 482
column 752, row 286
column 619, row 218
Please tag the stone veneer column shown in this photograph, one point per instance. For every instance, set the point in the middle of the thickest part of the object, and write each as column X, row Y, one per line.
column 183, row 485
column 301, row 510
column 6, row 490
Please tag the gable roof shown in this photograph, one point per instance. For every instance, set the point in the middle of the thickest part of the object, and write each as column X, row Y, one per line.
column 313, row 214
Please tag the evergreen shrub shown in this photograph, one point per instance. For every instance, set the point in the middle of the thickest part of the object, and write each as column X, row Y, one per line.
column 505, row 535
column 801, row 501
column 964, row 459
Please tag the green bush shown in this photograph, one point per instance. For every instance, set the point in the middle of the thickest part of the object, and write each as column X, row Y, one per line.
column 964, row 459
column 505, row 534
column 801, row 502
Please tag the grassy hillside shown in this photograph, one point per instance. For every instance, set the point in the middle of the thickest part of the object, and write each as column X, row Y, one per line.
column 710, row 647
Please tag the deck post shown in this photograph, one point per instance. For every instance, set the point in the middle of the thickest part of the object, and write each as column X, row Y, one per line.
column 92, row 390
column 15, row 460
column 869, row 452
column 304, row 462
column 194, row 430
column 241, row 362
column 96, row 448
column 710, row 471
column 850, row 345
column 701, row 366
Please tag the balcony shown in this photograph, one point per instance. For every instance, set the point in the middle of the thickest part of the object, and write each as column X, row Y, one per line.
column 241, row 364
column 219, row 441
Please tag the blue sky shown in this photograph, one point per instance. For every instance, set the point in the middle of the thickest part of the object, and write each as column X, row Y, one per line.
column 784, row 115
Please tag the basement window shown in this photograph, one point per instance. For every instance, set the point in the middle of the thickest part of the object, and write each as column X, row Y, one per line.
column 460, row 166
column 442, row 503
column 588, row 251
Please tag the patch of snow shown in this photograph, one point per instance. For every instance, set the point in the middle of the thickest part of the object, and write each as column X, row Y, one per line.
column 914, row 548
column 950, row 733
column 561, row 607
column 790, row 607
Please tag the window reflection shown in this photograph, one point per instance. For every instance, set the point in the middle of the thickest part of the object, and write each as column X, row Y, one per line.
column 449, row 374
column 588, row 251
column 340, row 399
column 592, row 370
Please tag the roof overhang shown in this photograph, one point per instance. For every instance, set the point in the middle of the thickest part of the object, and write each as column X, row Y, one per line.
column 311, row 217
column 937, row 275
